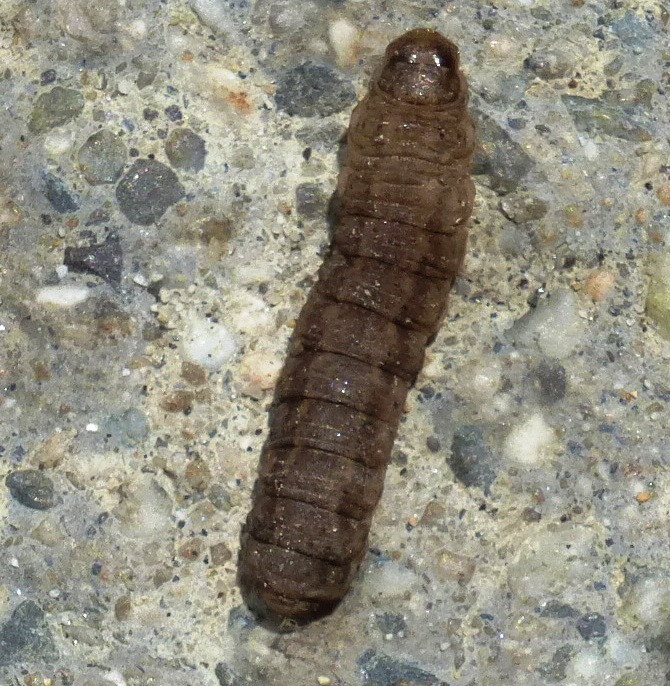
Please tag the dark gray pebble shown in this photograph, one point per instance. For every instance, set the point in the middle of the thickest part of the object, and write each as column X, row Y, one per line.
column 551, row 380
column 391, row 623
column 558, row 610
column 632, row 30
column 103, row 259
column 102, row 157
column 596, row 116
column 471, row 460
column 548, row 65
column 433, row 444
column 591, row 626
column 313, row 90
column 498, row 156
column 25, row 637
column 31, row 488
column 47, row 77
column 147, row 190
column 227, row 676
column 310, row 200
column 59, row 194
column 55, row 108
column 185, row 150
column 554, row 669
column 382, row 670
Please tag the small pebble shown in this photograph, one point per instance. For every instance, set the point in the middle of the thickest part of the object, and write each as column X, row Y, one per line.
column 147, row 190
column 343, row 37
column 102, row 259
column 599, row 283
column 592, row 626
column 62, row 296
column 102, row 157
column 185, row 150
column 313, row 90
column 60, row 196
column 55, row 108
column 528, row 442
column 209, row 344
column 31, row 488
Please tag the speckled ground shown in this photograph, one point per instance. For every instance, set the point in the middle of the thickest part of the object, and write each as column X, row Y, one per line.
column 165, row 170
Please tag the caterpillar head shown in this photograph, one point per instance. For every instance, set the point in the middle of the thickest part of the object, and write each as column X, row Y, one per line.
column 421, row 68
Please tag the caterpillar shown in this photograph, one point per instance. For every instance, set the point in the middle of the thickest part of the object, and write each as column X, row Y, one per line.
column 399, row 230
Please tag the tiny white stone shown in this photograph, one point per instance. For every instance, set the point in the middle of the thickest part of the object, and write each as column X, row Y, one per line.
column 343, row 36
column 61, row 271
column 528, row 441
column 58, row 142
column 92, row 427
column 63, row 296
column 137, row 28
column 209, row 344
column 124, row 86
column 140, row 280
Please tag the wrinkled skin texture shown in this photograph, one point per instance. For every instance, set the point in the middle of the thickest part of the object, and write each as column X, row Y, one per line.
column 399, row 219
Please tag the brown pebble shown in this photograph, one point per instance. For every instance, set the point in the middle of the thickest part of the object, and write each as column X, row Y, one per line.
column 433, row 514
column 195, row 374
column 454, row 567
column 599, row 283
column 40, row 370
column 191, row 549
column 530, row 515
column 219, row 554
column 122, row 608
column 197, row 475
column 663, row 194
column 179, row 401
column 162, row 576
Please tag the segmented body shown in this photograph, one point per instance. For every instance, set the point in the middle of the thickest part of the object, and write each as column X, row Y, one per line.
column 399, row 219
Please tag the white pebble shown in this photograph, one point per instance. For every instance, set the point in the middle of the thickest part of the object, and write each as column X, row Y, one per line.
column 213, row 13
column 61, row 271
column 587, row 665
column 146, row 509
column 137, row 28
column 343, row 37
column 209, row 344
column 63, row 296
column 92, row 427
column 554, row 325
column 58, row 142
column 528, row 442
column 124, row 86
column 647, row 602
column 391, row 580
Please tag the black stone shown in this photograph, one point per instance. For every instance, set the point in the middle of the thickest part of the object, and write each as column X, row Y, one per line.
column 102, row 259
column 32, row 488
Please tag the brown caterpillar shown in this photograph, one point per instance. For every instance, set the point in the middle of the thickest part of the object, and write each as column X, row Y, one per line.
column 399, row 224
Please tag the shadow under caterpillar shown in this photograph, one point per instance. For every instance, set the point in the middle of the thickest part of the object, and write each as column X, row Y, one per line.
column 400, row 212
